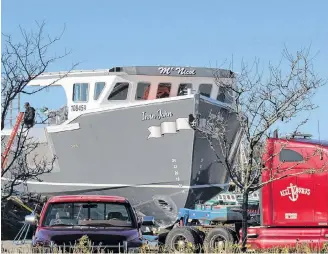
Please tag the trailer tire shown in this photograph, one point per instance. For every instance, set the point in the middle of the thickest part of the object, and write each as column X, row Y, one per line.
column 177, row 239
column 221, row 236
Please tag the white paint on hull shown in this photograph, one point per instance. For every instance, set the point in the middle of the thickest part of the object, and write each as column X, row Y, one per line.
column 66, row 127
column 122, row 185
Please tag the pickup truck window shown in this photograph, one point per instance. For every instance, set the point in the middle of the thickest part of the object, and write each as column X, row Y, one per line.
column 88, row 214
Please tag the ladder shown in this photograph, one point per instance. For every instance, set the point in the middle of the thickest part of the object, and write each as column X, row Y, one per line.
column 4, row 156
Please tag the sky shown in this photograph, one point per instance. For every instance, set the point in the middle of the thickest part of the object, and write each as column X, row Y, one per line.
column 103, row 33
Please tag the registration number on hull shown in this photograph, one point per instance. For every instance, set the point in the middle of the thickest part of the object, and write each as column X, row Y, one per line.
column 78, row 107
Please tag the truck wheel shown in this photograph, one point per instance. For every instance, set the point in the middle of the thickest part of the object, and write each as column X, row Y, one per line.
column 182, row 238
column 218, row 239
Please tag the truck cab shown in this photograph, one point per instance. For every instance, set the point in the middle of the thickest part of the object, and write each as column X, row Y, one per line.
column 294, row 206
column 108, row 221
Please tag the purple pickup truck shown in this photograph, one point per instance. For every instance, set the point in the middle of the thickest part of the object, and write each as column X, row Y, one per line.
column 110, row 223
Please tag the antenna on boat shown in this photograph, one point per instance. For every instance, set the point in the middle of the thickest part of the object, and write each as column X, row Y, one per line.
column 319, row 130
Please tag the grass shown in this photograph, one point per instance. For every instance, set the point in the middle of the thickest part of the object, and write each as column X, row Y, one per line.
column 84, row 246
column 90, row 250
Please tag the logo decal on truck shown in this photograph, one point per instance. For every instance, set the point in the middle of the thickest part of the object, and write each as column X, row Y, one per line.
column 291, row 216
column 292, row 192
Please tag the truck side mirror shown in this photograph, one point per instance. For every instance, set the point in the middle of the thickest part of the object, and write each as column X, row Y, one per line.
column 148, row 221
column 31, row 219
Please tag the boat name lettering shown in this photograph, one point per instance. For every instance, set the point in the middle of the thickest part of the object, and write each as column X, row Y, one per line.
column 158, row 115
column 78, row 107
column 293, row 191
column 179, row 70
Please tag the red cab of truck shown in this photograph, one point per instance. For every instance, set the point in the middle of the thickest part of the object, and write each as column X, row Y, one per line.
column 294, row 209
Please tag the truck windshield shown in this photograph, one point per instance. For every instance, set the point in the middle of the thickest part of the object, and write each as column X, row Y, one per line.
column 88, row 214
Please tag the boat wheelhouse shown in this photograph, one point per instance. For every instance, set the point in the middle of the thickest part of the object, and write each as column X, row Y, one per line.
column 94, row 89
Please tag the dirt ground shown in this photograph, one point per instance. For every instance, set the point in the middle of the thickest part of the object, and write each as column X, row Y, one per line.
column 9, row 245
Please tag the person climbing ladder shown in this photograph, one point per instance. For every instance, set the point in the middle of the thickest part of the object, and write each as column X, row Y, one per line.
column 29, row 116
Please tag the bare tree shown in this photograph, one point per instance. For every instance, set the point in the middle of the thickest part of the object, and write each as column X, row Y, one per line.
column 21, row 63
column 259, row 102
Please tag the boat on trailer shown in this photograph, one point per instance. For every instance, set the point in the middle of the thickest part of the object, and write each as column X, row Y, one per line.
column 127, row 131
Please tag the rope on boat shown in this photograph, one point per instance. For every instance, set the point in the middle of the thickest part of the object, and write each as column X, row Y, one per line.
column 24, row 230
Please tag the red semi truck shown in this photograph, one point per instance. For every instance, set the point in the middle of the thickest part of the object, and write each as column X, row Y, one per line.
column 294, row 209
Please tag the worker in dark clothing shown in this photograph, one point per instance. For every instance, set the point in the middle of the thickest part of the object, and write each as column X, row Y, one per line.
column 29, row 116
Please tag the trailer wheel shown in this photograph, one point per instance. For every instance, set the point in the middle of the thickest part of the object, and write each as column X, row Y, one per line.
column 217, row 240
column 180, row 238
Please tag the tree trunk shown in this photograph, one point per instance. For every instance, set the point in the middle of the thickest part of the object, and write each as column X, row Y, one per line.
column 244, row 222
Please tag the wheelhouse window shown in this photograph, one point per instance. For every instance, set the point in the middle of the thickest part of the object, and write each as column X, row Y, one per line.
column 120, row 92
column 205, row 89
column 287, row 155
column 106, row 214
column 99, row 87
column 163, row 90
column 183, row 88
column 225, row 95
column 80, row 92
column 222, row 94
column 142, row 91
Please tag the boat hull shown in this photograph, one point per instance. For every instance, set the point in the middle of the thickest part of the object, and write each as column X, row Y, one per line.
column 146, row 153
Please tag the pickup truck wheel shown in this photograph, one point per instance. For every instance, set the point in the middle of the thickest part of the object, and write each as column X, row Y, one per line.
column 181, row 238
column 218, row 239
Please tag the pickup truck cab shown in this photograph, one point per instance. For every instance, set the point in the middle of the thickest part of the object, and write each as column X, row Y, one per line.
column 108, row 221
